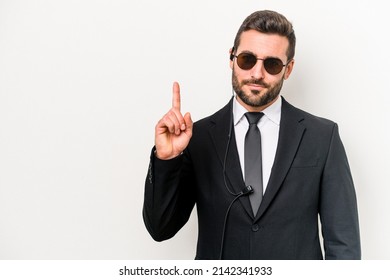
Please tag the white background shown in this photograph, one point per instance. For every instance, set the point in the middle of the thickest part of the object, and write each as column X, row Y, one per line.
column 82, row 84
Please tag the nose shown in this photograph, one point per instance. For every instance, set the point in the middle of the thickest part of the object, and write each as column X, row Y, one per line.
column 258, row 71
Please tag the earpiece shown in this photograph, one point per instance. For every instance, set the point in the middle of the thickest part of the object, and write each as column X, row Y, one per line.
column 232, row 54
column 246, row 191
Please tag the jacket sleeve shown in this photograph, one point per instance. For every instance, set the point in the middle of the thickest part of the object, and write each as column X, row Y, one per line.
column 169, row 196
column 338, row 205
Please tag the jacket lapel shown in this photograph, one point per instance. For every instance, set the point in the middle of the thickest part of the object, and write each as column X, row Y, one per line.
column 290, row 135
column 223, row 136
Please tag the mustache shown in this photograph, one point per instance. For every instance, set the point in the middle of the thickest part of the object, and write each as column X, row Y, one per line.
column 255, row 82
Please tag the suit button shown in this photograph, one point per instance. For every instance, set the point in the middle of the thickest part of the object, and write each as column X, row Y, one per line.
column 255, row 227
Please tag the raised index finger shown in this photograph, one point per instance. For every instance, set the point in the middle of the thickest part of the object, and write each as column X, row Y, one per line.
column 176, row 96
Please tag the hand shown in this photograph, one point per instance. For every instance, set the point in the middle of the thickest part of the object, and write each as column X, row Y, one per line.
column 173, row 132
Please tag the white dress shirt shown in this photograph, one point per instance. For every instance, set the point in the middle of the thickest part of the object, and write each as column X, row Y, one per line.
column 269, row 130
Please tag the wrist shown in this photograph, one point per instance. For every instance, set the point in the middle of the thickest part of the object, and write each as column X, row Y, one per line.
column 165, row 157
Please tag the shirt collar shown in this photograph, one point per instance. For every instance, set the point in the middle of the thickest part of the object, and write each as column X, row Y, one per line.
column 272, row 112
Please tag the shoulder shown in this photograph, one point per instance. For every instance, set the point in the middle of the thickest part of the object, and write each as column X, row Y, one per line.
column 307, row 119
column 221, row 115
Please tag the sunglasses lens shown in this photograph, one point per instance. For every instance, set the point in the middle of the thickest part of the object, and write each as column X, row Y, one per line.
column 273, row 65
column 246, row 61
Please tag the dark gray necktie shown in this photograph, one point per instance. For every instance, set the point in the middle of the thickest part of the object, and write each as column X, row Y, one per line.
column 253, row 160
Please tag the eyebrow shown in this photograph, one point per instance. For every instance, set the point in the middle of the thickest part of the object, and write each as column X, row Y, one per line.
column 250, row 52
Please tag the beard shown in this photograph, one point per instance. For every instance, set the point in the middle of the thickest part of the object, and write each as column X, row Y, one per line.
column 255, row 98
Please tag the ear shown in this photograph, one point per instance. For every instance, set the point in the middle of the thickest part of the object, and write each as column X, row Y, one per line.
column 289, row 68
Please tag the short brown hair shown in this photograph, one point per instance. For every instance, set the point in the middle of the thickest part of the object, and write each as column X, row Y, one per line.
column 269, row 22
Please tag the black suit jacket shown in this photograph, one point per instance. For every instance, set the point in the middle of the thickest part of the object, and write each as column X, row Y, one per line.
column 310, row 178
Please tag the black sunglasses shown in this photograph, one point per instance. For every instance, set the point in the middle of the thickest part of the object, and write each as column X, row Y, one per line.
column 272, row 65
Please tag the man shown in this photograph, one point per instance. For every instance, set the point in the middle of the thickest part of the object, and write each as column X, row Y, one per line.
column 260, row 187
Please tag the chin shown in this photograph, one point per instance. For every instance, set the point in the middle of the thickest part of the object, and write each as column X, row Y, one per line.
column 255, row 92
